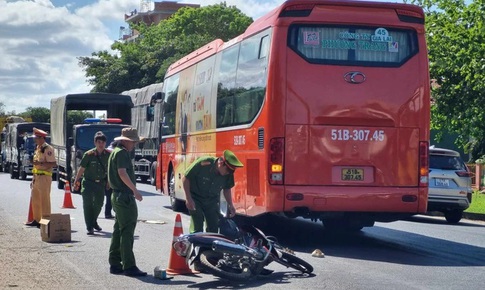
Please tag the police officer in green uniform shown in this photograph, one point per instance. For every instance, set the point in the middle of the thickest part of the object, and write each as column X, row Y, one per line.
column 203, row 182
column 93, row 168
column 121, row 176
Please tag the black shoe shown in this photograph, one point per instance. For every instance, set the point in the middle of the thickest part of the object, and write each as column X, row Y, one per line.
column 109, row 216
column 116, row 270
column 97, row 228
column 134, row 272
column 90, row 232
column 33, row 223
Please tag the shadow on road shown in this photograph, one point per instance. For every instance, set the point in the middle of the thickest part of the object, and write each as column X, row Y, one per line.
column 373, row 244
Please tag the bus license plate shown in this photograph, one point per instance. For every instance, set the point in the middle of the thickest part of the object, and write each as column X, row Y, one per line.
column 442, row 182
column 352, row 174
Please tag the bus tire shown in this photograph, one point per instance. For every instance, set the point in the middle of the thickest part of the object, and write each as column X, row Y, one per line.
column 153, row 173
column 177, row 205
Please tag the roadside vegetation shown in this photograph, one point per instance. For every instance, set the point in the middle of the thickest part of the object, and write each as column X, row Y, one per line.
column 478, row 203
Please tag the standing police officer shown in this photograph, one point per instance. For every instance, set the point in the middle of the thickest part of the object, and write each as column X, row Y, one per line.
column 93, row 167
column 43, row 162
column 122, row 179
column 203, row 182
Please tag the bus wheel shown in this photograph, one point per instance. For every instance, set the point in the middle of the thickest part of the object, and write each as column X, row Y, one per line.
column 153, row 173
column 177, row 205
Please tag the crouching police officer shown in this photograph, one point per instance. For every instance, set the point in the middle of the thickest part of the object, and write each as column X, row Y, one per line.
column 93, row 168
column 203, row 182
column 43, row 162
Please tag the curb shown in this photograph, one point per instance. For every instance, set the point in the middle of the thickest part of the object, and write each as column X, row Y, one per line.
column 465, row 215
column 474, row 216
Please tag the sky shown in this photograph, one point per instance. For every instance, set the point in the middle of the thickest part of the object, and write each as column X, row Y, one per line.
column 40, row 41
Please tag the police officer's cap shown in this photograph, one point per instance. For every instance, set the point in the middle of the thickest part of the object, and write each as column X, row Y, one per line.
column 231, row 160
column 39, row 133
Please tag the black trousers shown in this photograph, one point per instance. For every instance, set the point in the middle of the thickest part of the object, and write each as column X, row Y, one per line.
column 108, row 207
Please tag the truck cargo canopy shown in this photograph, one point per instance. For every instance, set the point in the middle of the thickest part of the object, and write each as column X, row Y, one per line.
column 142, row 97
column 115, row 105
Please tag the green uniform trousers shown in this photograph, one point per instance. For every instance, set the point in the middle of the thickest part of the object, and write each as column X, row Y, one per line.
column 93, row 198
column 209, row 211
column 122, row 239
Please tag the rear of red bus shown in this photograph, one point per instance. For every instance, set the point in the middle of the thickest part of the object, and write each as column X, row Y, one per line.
column 351, row 86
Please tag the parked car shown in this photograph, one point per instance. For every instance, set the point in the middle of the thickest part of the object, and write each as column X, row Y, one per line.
column 450, row 190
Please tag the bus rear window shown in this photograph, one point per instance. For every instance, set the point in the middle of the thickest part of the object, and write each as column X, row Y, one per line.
column 353, row 45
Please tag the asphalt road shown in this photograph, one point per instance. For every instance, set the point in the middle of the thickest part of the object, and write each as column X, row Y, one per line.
column 421, row 253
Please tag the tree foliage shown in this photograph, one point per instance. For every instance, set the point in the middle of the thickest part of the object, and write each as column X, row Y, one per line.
column 78, row 117
column 37, row 114
column 145, row 61
column 456, row 44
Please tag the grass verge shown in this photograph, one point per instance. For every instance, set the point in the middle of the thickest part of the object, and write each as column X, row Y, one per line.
column 478, row 203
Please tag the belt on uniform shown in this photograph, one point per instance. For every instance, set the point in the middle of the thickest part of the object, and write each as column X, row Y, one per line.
column 96, row 180
column 41, row 172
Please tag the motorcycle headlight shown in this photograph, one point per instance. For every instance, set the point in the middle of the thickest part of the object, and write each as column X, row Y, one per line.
column 181, row 247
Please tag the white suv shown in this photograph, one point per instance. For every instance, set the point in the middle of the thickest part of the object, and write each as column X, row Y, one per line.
column 450, row 189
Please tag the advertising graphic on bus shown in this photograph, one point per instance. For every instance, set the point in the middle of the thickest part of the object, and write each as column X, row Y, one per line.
column 325, row 102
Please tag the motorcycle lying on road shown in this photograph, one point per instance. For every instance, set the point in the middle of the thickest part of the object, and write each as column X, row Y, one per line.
column 238, row 253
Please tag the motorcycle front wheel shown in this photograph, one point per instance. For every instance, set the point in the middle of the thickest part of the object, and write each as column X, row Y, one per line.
column 294, row 262
column 211, row 262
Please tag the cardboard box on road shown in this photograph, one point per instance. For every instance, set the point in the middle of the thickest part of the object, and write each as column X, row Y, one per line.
column 55, row 227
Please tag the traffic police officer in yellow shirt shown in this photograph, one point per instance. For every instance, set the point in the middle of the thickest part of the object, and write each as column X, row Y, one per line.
column 43, row 162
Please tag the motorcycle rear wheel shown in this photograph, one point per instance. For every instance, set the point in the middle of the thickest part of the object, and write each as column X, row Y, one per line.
column 294, row 262
column 210, row 260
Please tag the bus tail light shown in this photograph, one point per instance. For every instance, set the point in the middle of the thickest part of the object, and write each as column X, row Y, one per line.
column 299, row 10
column 276, row 160
column 404, row 12
column 423, row 163
column 410, row 16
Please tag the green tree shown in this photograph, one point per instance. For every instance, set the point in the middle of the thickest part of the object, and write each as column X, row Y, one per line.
column 2, row 109
column 455, row 37
column 145, row 60
column 77, row 117
column 37, row 114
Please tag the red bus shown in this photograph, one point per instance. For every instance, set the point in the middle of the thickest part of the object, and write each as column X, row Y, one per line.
column 327, row 103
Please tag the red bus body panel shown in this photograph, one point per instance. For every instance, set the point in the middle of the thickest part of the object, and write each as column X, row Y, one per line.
column 312, row 107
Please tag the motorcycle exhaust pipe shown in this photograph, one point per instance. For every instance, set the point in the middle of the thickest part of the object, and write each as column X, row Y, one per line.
column 234, row 249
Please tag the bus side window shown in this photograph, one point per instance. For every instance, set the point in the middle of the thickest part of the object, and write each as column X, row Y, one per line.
column 170, row 105
column 226, row 88
column 224, row 112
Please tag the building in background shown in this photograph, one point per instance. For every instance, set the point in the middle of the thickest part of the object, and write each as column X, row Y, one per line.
column 150, row 13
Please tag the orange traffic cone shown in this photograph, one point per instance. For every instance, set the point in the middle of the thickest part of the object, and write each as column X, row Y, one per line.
column 67, row 196
column 30, row 218
column 177, row 264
